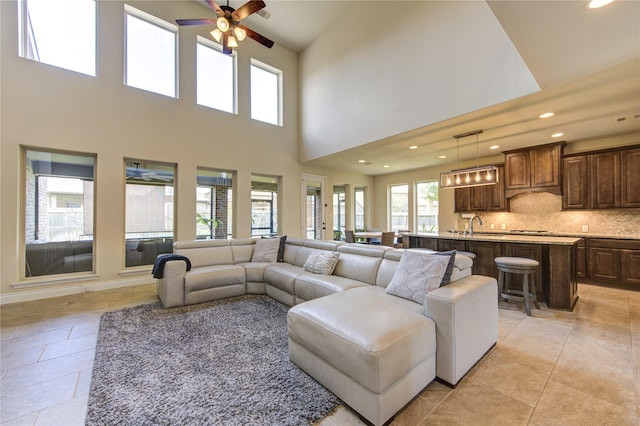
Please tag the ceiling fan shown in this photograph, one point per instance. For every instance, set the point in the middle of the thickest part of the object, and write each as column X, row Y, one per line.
column 228, row 27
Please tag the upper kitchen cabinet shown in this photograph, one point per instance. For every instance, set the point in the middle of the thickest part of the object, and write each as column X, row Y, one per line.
column 605, row 179
column 629, row 178
column 534, row 169
column 575, row 189
column 486, row 198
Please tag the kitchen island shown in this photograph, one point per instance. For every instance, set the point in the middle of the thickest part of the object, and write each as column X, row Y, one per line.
column 555, row 281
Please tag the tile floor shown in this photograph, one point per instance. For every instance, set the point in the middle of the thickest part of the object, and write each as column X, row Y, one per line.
column 554, row 368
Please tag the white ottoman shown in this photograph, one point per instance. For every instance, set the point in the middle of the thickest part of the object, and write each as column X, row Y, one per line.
column 372, row 352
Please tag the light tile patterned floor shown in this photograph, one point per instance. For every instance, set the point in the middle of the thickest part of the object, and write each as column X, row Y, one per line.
column 554, row 368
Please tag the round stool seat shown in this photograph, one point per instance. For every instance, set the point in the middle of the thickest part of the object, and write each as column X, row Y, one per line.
column 517, row 263
column 518, row 266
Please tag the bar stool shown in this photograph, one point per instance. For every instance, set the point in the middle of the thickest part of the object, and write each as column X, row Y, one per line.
column 520, row 266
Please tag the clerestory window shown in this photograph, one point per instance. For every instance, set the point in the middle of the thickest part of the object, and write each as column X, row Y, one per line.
column 61, row 33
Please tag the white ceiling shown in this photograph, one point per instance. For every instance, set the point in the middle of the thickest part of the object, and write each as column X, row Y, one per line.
column 586, row 62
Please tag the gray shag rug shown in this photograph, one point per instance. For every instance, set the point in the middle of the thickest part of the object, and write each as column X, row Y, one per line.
column 223, row 362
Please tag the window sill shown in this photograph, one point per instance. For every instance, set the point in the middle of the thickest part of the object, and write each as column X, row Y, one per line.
column 136, row 270
column 54, row 279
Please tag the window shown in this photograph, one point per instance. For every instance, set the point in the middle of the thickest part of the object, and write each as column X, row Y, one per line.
column 58, row 221
column 339, row 213
column 148, row 211
column 151, row 52
column 216, row 77
column 61, row 33
column 399, row 207
column 264, row 205
column 214, row 204
column 358, row 209
column 426, row 197
column 266, row 93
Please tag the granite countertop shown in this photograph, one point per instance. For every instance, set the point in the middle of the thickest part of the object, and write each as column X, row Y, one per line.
column 507, row 238
column 548, row 237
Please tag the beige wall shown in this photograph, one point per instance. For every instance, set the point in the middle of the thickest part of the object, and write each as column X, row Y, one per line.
column 397, row 73
column 51, row 108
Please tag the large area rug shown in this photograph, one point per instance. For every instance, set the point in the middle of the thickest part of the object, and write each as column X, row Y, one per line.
column 223, row 362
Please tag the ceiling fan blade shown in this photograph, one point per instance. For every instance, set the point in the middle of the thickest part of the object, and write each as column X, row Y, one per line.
column 247, row 9
column 194, row 21
column 225, row 47
column 214, row 6
column 257, row 37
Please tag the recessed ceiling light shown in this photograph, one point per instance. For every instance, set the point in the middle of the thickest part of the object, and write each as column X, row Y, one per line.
column 595, row 4
column 362, row 161
column 386, row 166
column 494, row 147
column 547, row 115
column 413, row 147
column 557, row 135
column 442, row 156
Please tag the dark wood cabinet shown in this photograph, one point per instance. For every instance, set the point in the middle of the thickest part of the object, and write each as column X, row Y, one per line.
column 486, row 252
column 614, row 261
column 534, row 169
column 605, row 180
column 581, row 259
column 446, row 245
column 630, row 178
column 483, row 198
column 575, row 188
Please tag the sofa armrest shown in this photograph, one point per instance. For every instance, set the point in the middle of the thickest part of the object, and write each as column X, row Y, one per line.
column 171, row 286
column 466, row 317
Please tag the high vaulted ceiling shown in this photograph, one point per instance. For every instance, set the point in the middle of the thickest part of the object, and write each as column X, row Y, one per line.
column 586, row 62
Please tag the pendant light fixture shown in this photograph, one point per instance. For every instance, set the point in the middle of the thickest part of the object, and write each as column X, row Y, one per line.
column 475, row 176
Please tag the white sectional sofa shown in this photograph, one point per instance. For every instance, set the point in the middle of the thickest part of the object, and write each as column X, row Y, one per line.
column 374, row 350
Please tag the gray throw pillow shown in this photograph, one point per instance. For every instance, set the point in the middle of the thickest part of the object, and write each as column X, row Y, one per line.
column 446, row 279
column 321, row 263
column 266, row 250
column 417, row 274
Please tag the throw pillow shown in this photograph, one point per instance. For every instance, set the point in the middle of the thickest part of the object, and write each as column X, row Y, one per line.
column 266, row 250
column 321, row 263
column 417, row 274
column 283, row 240
column 446, row 279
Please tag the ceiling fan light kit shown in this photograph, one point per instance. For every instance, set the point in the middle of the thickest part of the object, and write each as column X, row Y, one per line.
column 475, row 176
column 228, row 29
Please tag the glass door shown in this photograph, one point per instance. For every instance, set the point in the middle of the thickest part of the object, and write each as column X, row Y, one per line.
column 313, row 207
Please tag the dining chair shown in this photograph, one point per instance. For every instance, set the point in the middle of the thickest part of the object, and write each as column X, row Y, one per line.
column 349, row 237
column 388, row 239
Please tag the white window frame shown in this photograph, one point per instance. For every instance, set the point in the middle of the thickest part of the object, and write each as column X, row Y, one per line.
column 217, row 47
column 153, row 20
column 279, row 75
column 26, row 50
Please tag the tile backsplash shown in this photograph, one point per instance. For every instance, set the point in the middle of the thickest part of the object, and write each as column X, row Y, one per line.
column 543, row 211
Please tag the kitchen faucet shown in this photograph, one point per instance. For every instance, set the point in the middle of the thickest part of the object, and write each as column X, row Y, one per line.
column 471, row 223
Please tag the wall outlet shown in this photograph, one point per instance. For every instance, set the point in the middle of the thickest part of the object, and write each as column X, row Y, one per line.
column 492, row 226
column 87, row 289
column 503, row 226
column 585, row 228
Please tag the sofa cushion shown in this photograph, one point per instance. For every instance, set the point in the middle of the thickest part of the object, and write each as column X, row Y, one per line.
column 213, row 276
column 282, row 276
column 310, row 286
column 321, row 262
column 417, row 274
column 205, row 252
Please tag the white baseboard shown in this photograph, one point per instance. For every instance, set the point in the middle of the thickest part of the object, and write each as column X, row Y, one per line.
column 46, row 293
